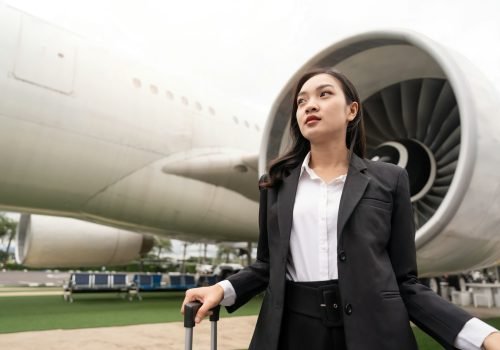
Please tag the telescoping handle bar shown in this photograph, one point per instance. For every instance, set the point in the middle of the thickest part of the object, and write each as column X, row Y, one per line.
column 190, row 310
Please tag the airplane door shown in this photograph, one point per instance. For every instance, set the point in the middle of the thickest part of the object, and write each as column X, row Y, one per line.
column 46, row 55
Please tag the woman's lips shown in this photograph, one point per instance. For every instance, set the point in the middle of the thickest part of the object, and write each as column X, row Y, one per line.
column 312, row 119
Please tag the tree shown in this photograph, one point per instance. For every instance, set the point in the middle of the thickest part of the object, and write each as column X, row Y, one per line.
column 162, row 244
column 7, row 228
column 226, row 251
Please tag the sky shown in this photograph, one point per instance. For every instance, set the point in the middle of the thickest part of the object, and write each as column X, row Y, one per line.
column 245, row 51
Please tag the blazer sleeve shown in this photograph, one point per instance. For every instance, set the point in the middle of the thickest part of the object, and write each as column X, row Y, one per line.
column 432, row 313
column 254, row 278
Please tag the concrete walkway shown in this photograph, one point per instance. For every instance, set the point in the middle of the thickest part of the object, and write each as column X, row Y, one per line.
column 234, row 334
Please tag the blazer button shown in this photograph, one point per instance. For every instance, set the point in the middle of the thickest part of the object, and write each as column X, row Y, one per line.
column 342, row 256
column 348, row 309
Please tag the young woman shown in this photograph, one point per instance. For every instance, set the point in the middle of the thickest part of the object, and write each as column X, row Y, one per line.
column 336, row 253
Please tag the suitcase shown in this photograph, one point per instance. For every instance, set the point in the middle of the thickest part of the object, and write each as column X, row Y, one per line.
column 190, row 310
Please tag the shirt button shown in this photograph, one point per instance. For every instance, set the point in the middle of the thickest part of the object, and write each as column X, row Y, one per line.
column 342, row 256
column 348, row 309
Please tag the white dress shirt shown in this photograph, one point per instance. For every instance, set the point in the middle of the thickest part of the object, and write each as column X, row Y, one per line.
column 313, row 240
column 313, row 245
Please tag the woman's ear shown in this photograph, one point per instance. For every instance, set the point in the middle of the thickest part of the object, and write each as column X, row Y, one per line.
column 353, row 111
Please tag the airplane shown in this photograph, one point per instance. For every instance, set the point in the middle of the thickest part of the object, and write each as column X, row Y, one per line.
column 87, row 134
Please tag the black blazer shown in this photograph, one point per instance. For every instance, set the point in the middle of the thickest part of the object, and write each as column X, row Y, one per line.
column 376, row 264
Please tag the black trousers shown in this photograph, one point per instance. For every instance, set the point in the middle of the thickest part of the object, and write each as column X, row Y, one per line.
column 303, row 326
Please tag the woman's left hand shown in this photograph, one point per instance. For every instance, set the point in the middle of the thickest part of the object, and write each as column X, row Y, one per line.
column 492, row 342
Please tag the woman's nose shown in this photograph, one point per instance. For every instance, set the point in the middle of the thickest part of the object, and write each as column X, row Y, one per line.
column 311, row 107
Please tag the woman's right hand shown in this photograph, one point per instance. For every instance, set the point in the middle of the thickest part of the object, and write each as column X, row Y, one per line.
column 210, row 297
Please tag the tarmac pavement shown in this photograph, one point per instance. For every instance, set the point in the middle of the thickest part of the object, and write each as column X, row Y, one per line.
column 22, row 278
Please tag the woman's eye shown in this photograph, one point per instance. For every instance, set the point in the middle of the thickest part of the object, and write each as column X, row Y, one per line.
column 300, row 101
column 325, row 93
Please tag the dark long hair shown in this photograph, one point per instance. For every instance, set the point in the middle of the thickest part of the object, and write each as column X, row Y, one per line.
column 300, row 146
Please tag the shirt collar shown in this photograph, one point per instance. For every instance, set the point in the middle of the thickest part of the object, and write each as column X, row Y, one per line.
column 305, row 167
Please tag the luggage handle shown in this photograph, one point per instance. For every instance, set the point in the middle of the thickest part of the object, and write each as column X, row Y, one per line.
column 190, row 310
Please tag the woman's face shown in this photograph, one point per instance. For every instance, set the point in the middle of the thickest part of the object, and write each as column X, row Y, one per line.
column 322, row 111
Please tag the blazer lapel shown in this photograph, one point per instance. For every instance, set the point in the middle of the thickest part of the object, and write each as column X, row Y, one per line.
column 286, row 201
column 354, row 187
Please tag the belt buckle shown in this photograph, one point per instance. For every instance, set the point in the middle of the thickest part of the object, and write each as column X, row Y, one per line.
column 331, row 311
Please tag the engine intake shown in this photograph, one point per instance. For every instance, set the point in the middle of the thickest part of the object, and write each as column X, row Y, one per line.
column 430, row 111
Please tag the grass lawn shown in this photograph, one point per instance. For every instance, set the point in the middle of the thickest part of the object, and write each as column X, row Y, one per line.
column 31, row 313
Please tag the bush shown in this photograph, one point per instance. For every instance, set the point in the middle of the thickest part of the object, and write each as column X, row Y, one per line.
column 153, row 266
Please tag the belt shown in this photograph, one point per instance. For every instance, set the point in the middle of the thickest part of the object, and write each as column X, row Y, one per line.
column 320, row 300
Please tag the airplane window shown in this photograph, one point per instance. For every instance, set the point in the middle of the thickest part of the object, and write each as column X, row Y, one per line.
column 247, row 124
column 235, row 119
column 169, row 94
column 185, row 100
column 198, row 105
column 211, row 110
column 136, row 82
column 257, row 127
column 154, row 89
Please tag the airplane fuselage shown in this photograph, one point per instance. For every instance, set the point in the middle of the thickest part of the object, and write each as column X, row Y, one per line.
column 86, row 134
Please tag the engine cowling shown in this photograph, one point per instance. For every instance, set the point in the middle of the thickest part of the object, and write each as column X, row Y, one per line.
column 431, row 111
column 49, row 241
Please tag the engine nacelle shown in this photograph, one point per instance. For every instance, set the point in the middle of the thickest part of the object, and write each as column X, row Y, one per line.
column 428, row 109
column 49, row 241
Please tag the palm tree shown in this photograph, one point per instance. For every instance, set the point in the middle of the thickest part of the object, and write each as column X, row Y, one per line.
column 226, row 251
column 7, row 227
column 162, row 244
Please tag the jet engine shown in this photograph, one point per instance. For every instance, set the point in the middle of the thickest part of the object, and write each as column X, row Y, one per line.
column 427, row 109
column 48, row 241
